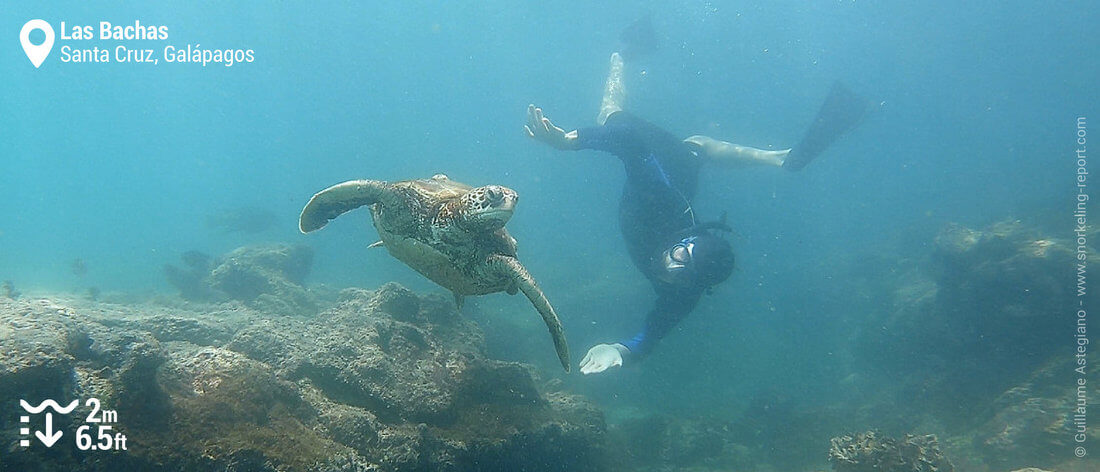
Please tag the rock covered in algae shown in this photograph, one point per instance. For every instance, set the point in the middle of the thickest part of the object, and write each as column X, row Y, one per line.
column 7, row 290
column 266, row 277
column 979, row 322
column 872, row 452
column 1005, row 271
column 1039, row 422
column 386, row 380
column 655, row 442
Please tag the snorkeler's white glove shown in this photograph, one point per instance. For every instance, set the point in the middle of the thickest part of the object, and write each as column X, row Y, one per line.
column 541, row 128
column 602, row 357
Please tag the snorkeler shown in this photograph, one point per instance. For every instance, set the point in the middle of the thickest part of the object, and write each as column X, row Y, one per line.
column 681, row 256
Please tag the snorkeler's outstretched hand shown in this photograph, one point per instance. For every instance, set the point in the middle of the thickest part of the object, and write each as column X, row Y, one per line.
column 602, row 357
column 542, row 129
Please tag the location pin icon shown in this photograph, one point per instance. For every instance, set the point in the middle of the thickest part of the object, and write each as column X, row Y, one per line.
column 38, row 53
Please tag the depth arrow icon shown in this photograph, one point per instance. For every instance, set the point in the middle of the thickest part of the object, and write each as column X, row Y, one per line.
column 50, row 436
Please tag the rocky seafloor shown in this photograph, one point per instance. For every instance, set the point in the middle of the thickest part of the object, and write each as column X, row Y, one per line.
column 250, row 370
column 382, row 380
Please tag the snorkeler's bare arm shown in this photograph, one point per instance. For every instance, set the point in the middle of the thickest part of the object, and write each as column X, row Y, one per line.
column 542, row 129
column 734, row 155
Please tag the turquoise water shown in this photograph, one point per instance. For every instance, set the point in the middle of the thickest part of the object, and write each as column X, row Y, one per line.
column 121, row 165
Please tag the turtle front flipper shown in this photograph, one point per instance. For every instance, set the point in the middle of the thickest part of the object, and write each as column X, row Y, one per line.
column 510, row 267
column 339, row 199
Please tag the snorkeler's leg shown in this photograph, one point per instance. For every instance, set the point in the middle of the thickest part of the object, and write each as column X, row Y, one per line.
column 735, row 155
column 614, row 94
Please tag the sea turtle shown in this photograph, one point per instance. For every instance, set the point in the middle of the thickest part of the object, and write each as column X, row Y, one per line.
column 447, row 231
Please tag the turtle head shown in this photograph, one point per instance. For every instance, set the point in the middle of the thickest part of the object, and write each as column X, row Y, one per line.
column 487, row 208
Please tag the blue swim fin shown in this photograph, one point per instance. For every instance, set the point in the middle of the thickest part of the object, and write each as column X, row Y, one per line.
column 639, row 39
column 842, row 111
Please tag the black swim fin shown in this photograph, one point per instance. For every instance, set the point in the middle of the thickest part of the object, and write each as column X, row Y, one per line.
column 842, row 111
column 639, row 39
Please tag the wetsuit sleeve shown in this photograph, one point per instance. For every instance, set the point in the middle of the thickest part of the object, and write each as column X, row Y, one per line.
column 671, row 307
column 617, row 139
column 629, row 137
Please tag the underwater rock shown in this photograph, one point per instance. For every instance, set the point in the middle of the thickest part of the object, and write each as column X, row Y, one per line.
column 55, row 350
column 225, row 405
column 283, row 261
column 870, row 452
column 196, row 261
column 168, row 327
column 656, row 442
column 397, row 301
column 396, row 369
column 1034, row 422
column 35, row 352
column 7, row 290
column 550, row 446
column 483, row 380
column 1032, row 430
column 252, row 271
column 1007, row 272
column 354, row 427
column 136, row 384
column 191, row 279
column 266, row 277
column 225, row 387
column 978, row 323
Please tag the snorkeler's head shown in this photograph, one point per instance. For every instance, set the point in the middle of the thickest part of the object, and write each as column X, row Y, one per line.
column 699, row 260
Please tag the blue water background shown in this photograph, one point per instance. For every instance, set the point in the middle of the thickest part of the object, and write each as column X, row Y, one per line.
column 975, row 108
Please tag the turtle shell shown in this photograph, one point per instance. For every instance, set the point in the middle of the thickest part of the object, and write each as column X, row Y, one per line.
column 457, row 261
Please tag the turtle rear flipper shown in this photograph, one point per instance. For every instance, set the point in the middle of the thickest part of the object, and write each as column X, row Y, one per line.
column 339, row 199
column 511, row 267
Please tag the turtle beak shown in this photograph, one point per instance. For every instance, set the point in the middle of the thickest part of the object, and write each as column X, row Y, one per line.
column 497, row 215
column 506, row 204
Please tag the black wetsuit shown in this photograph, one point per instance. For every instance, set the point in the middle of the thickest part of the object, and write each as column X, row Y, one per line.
column 662, row 174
